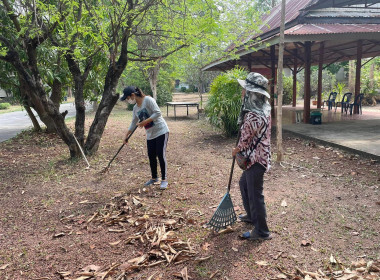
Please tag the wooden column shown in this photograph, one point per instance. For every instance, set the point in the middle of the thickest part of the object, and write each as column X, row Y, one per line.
column 320, row 68
column 273, row 75
column 358, row 71
column 306, row 112
column 295, row 79
column 249, row 66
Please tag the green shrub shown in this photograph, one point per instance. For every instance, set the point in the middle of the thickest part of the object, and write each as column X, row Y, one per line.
column 183, row 89
column 163, row 95
column 287, row 97
column 4, row 106
column 224, row 102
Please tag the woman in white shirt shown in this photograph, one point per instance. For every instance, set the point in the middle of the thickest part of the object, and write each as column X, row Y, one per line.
column 147, row 114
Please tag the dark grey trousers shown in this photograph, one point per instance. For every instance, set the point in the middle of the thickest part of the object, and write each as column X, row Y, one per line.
column 251, row 188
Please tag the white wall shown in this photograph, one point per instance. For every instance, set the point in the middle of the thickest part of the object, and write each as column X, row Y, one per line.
column 2, row 93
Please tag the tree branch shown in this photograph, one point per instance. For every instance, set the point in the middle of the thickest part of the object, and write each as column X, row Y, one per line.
column 12, row 15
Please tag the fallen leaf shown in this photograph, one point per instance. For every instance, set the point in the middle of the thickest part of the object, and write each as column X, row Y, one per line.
column 116, row 230
column 355, row 233
column 214, row 274
column 234, row 249
column 312, row 248
column 281, row 276
column 283, row 203
column 151, row 277
column 115, row 243
column 170, row 222
column 61, row 234
column 4, row 266
column 278, row 255
column 226, row 230
column 138, row 260
column 332, row 259
column 64, row 273
column 262, row 263
column 360, row 263
column 184, row 273
column 91, row 268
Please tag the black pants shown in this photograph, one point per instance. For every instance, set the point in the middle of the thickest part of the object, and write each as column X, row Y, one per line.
column 157, row 148
column 251, row 188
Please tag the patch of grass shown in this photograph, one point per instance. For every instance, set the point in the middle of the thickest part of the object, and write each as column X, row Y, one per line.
column 11, row 108
column 202, row 271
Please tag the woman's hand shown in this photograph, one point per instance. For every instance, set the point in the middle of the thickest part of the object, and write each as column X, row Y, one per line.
column 235, row 151
column 125, row 141
column 142, row 124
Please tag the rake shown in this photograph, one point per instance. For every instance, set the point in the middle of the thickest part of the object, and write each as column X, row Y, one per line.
column 109, row 164
column 224, row 215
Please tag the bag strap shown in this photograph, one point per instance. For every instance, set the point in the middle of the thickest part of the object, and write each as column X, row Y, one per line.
column 259, row 140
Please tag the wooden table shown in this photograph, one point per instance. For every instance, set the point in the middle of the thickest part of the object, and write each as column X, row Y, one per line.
column 181, row 104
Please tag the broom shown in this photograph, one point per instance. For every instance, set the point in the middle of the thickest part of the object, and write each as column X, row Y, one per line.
column 225, row 213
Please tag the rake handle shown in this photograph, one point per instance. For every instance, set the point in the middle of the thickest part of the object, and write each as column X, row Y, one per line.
column 232, row 166
column 129, row 136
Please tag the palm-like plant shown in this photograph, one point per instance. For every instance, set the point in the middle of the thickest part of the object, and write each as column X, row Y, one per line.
column 224, row 103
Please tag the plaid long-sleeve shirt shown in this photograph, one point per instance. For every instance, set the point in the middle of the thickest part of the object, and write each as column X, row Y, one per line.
column 255, row 126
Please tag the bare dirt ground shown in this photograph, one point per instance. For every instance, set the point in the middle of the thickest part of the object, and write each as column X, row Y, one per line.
column 61, row 221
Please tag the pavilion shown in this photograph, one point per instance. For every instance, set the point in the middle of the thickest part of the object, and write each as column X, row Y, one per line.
column 317, row 32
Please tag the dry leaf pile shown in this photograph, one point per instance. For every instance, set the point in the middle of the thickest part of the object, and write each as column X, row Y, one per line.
column 154, row 231
column 359, row 270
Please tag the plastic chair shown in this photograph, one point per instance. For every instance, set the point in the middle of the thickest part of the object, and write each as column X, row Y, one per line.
column 358, row 103
column 330, row 101
column 345, row 102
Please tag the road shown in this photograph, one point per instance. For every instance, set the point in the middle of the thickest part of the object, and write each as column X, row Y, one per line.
column 13, row 123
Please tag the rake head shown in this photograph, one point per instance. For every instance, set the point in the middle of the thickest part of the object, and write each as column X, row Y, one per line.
column 224, row 215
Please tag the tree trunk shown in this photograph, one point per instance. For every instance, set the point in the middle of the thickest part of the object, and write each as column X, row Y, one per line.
column 372, row 75
column 97, row 127
column 280, row 88
column 36, row 104
column 108, row 101
column 36, row 125
column 80, row 108
column 41, row 101
column 153, row 76
column 56, row 93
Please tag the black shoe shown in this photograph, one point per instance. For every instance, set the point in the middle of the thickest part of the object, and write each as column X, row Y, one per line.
column 244, row 218
column 250, row 235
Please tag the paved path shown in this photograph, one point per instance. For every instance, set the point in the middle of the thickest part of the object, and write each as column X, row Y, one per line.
column 13, row 123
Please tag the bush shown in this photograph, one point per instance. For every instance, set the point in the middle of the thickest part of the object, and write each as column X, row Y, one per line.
column 224, row 102
column 4, row 106
column 183, row 89
column 287, row 97
column 163, row 95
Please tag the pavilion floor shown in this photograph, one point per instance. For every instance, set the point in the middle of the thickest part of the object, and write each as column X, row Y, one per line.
column 357, row 133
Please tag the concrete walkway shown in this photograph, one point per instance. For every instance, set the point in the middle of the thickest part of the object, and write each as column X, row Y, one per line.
column 13, row 123
column 359, row 134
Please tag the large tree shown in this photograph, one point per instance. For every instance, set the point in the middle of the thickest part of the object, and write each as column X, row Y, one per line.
column 86, row 34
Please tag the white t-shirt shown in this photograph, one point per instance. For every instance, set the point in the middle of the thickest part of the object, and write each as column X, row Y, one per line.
column 149, row 109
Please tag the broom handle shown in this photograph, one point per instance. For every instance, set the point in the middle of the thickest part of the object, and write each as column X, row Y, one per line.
column 232, row 167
